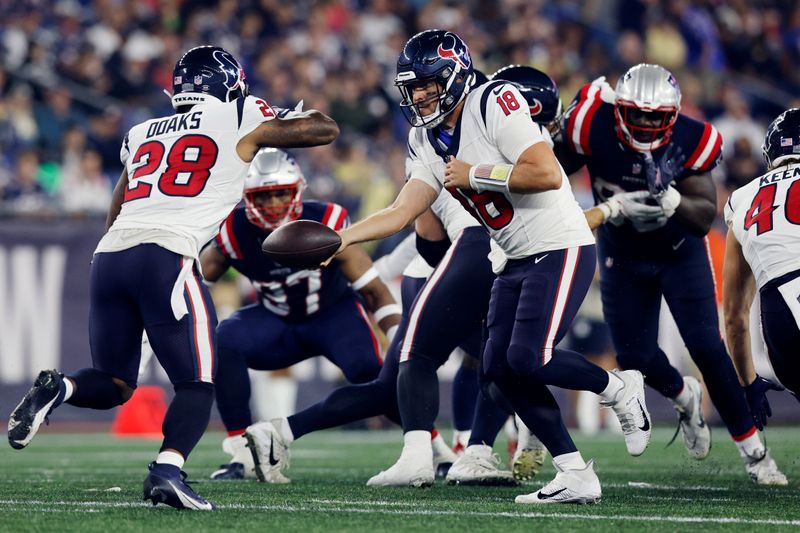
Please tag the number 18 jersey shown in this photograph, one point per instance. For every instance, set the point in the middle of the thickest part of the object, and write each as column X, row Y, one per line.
column 764, row 216
column 495, row 127
column 184, row 176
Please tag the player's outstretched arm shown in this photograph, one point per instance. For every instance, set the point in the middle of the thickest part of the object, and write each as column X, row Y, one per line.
column 738, row 291
column 116, row 198
column 415, row 197
column 309, row 128
column 357, row 267
column 213, row 263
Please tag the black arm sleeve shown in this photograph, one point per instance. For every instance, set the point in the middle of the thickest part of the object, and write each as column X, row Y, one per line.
column 570, row 161
column 432, row 251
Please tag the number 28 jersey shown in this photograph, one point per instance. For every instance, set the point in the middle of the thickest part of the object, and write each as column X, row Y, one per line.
column 764, row 216
column 495, row 127
column 184, row 176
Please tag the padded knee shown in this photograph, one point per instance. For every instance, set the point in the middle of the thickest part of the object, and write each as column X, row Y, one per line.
column 523, row 360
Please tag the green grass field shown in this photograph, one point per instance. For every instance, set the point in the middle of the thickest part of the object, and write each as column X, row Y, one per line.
column 93, row 482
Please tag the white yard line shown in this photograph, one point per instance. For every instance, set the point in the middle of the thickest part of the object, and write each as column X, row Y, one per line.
column 366, row 506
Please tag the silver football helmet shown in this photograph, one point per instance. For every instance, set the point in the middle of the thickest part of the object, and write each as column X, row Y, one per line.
column 646, row 107
column 273, row 189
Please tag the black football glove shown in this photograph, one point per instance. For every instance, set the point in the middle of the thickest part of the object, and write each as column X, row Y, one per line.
column 756, row 394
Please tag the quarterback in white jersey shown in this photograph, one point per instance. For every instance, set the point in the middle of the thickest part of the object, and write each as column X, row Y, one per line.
column 483, row 147
column 183, row 175
column 763, row 254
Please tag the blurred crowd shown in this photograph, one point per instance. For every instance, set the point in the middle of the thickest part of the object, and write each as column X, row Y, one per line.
column 76, row 74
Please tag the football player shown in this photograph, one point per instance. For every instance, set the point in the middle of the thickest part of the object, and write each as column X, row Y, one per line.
column 635, row 139
column 483, row 147
column 299, row 313
column 183, row 175
column 763, row 252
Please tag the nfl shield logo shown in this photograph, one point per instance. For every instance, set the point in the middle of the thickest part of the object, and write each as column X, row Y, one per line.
column 198, row 80
column 177, row 80
column 637, row 168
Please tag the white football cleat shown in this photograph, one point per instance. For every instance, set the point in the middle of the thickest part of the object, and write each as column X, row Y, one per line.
column 763, row 470
column 411, row 470
column 631, row 410
column 241, row 465
column 696, row 433
column 479, row 466
column 270, row 454
column 528, row 461
column 569, row 486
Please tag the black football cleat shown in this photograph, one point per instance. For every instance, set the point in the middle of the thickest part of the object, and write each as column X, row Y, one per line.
column 34, row 408
column 173, row 491
column 227, row 472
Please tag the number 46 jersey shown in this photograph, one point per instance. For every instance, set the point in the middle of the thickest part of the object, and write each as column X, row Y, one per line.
column 495, row 127
column 764, row 216
column 184, row 176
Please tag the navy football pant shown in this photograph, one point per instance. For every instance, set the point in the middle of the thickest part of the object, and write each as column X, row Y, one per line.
column 131, row 291
column 254, row 337
column 631, row 293
column 532, row 306
column 781, row 333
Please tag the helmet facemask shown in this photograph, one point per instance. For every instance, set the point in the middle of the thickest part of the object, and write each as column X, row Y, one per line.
column 644, row 129
column 447, row 83
column 271, row 206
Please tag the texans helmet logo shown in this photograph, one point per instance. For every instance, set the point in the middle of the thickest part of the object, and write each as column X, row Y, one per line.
column 450, row 53
column 536, row 108
column 233, row 72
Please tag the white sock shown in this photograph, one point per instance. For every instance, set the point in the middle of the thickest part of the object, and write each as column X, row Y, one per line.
column 570, row 461
column 417, row 442
column 283, row 427
column 587, row 412
column 69, row 388
column 461, row 437
column 684, row 397
column 170, row 458
column 615, row 384
column 750, row 447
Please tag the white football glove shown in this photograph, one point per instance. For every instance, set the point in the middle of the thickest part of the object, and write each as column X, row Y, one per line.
column 612, row 208
column 290, row 113
column 670, row 201
column 643, row 216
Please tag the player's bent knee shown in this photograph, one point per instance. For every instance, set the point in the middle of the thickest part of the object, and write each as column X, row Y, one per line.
column 524, row 360
column 125, row 390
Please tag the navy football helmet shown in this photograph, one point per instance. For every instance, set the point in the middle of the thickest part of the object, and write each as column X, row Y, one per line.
column 433, row 56
column 206, row 72
column 783, row 138
column 539, row 89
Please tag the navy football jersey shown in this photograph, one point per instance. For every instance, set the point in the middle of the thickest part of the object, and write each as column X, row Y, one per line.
column 289, row 293
column 590, row 130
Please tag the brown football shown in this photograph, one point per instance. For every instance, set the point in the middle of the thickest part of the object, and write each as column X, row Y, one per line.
column 301, row 244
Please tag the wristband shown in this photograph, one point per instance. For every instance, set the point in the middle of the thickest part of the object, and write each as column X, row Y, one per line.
column 391, row 332
column 365, row 278
column 490, row 177
column 605, row 209
column 386, row 310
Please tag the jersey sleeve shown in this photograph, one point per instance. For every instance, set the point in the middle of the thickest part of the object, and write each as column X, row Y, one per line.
column 124, row 150
column 416, row 168
column 335, row 217
column 704, row 146
column 226, row 241
column 728, row 211
column 251, row 112
column 577, row 120
column 509, row 123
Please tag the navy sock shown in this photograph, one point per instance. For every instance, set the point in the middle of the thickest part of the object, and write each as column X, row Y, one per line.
column 347, row 404
column 94, row 390
column 187, row 416
column 658, row 373
column 465, row 395
column 418, row 394
column 489, row 418
column 232, row 388
column 570, row 370
column 536, row 406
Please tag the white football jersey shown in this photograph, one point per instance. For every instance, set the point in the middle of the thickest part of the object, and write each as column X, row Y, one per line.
column 495, row 128
column 764, row 216
column 184, row 176
column 453, row 217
